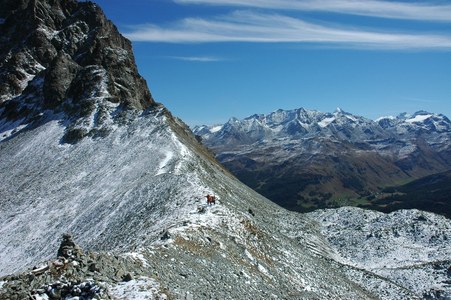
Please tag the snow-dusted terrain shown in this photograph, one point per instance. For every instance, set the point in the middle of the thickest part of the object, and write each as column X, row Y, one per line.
column 140, row 192
column 410, row 247
column 52, row 187
column 331, row 159
column 93, row 155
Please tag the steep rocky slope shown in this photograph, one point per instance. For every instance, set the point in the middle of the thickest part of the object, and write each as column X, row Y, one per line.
column 304, row 159
column 64, row 57
column 128, row 180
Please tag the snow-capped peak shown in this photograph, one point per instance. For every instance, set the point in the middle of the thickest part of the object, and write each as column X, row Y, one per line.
column 418, row 118
column 385, row 118
column 216, row 128
column 338, row 110
column 295, row 123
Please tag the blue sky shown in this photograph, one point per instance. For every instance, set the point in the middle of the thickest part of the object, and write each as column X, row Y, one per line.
column 209, row 60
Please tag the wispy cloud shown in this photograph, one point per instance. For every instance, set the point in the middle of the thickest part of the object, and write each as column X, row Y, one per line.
column 248, row 26
column 426, row 10
column 197, row 58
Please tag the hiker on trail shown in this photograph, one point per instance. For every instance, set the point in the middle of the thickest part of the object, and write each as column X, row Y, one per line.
column 210, row 199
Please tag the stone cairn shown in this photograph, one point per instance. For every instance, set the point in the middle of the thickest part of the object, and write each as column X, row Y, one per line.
column 74, row 274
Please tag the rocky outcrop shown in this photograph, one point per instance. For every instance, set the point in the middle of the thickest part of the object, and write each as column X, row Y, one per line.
column 72, row 274
column 373, row 241
column 65, row 56
column 68, row 249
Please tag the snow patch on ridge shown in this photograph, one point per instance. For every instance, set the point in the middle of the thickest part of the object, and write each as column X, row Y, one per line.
column 385, row 118
column 137, row 289
column 215, row 128
column 49, row 33
column 167, row 157
column 352, row 118
column 325, row 122
column 418, row 119
column 137, row 257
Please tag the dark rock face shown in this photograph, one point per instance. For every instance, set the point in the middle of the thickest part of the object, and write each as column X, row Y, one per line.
column 58, row 79
column 65, row 56
column 68, row 249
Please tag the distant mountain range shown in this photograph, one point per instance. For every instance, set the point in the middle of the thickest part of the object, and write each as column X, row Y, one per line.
column 304, row 159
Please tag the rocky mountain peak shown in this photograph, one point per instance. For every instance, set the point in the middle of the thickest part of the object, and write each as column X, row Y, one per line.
column 419, row 122
column 65, row 56
column 344, row 125
column 338, row 110
column 329, row 156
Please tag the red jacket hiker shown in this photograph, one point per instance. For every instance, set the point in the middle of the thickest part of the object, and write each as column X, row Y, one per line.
column 210, row 199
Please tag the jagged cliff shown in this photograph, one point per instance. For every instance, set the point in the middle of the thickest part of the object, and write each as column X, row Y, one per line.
column 65, row 57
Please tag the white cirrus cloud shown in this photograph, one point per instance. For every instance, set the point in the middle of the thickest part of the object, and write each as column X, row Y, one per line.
column 419, row 10
column 247, row 26
column 197, row 58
